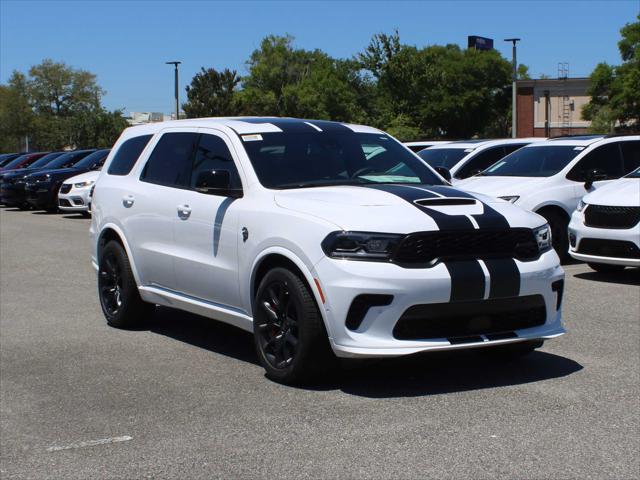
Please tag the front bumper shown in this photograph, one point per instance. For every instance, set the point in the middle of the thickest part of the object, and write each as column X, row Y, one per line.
column 343, row 280
column 39, row 195
column 12, row 194
column 578, row 231
column 76, row 200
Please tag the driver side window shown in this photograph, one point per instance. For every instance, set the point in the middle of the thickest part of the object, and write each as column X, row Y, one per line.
column 606, row 159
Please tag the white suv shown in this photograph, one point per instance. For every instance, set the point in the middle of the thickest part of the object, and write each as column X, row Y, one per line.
column 319, row 237
column 551, row 177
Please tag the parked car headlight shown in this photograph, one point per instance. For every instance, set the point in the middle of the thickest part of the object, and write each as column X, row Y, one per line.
column 581, row 206
column 83, row 184
column 510, row 198
column 543, row 237
column 360, row 245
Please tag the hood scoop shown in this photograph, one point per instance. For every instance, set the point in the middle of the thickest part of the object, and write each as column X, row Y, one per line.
column 444, row 202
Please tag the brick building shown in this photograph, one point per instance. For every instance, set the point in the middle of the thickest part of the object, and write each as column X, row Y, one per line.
column 551, row 107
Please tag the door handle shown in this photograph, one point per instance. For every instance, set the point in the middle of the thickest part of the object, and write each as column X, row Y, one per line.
column 128, row 200
column 184, row 211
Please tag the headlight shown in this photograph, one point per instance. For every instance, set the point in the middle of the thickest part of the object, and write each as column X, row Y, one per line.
column 360, row 245
column 543, row 237
column 83, row 184
column 510, row 198
column 581, row 206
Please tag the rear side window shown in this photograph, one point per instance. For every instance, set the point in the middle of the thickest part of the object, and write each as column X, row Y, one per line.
column 606, row 159
column 631, row 155
column 170, row 162
column 127, row 155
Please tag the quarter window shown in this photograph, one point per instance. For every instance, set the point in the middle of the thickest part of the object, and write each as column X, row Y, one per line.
column 127, row 155
column 213, row 154
column 170, row 162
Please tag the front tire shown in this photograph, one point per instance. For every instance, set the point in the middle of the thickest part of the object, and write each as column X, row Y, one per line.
column 117, row 289
column 290, row 338
column 606, row 268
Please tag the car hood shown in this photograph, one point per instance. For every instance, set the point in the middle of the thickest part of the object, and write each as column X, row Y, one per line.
column 621, row 193
column 90, row 176
column 501, row 186
column 403, row 208
column 57, row 173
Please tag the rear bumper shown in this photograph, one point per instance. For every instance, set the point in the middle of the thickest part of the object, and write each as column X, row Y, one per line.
column 342, row 281
column 607, row 241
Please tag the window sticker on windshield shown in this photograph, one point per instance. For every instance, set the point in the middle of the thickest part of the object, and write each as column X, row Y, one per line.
column 252, row 138
column 578, row 148
column 496, row 166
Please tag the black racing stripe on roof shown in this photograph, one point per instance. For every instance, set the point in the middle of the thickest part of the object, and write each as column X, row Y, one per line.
column 327, row 126
column 284, row 124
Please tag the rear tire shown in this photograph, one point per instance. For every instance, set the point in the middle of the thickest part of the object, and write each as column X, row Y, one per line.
column 606, row 268
column 559, row 234
column 289, row 333
column 117, row 289
column 512, row 351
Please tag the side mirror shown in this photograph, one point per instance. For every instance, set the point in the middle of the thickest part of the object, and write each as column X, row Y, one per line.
column 593, row 176
column 444, row 172
column 217, row 182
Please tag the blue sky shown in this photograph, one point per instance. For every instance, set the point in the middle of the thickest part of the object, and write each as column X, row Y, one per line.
column 127, row 42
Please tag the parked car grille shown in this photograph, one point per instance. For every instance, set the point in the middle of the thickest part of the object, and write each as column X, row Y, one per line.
column 462, row 319
column 63, row 202
column 608, row 248
column 65, row 188
column 425, row 248
column 604, row 216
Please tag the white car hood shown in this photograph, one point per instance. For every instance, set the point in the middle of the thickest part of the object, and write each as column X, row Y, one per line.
column 392, row 208
column 620, row 193
column 91, row 176
column 501, row 186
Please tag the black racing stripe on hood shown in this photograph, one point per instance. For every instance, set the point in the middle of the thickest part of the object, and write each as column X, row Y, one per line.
column 411, row 194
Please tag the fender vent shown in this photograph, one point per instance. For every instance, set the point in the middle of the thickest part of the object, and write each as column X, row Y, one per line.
column 441, row 202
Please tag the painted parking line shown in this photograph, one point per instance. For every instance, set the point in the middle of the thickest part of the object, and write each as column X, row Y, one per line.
column 90, row 443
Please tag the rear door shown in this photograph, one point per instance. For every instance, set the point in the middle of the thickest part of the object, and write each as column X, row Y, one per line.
column 206, row 228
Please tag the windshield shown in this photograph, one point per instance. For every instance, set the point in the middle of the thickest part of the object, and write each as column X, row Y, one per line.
column 44, row 160
column 67, row 159
column 443, row 157
column 635, row 173
column 14, row 162
column 93, row 160
column 327, row 158
column 542, row 161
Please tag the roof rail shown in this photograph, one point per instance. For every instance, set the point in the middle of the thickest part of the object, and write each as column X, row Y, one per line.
column 577, row 137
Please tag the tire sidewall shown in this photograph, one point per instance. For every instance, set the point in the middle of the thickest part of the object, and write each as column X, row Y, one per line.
column 128, row 285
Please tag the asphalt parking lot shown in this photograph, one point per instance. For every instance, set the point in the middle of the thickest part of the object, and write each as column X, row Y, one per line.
column 185, row 397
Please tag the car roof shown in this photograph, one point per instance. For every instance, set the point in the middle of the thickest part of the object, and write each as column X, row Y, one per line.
column 251, row 125
column 584, row 142
column 464, row 144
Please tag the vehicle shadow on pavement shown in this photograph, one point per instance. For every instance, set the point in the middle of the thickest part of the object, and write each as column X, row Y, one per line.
column 628, row 276
column 416, row 375
column 75, row 216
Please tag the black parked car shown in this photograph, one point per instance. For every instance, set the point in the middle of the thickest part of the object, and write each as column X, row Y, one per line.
column 5, row 158
column 12, row 181
column 41, row 188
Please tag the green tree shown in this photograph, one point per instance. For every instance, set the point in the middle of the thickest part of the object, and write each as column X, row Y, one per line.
column 212, row 94
column 615, row 90
column 16, row 115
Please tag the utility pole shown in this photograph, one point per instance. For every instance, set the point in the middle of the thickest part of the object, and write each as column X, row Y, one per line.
column 175, row 64
column 514, row 124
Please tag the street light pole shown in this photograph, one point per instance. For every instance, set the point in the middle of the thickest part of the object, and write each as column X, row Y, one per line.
column 514, row 122
column 175, row 64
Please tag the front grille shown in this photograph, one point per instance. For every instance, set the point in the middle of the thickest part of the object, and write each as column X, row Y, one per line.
column 65, row 188
column 63, row 202
column 426, row 248
column 608, row 248
column 464, row 319
column 604, row 216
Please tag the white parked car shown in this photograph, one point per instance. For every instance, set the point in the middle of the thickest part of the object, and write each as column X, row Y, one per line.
column 466, row 158
column 551, row 177
column 74, row 193
column 295, row 230
column 605, row 228
column 417, row 146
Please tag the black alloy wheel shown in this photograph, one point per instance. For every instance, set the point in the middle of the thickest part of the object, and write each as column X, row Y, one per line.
column 110, row 284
